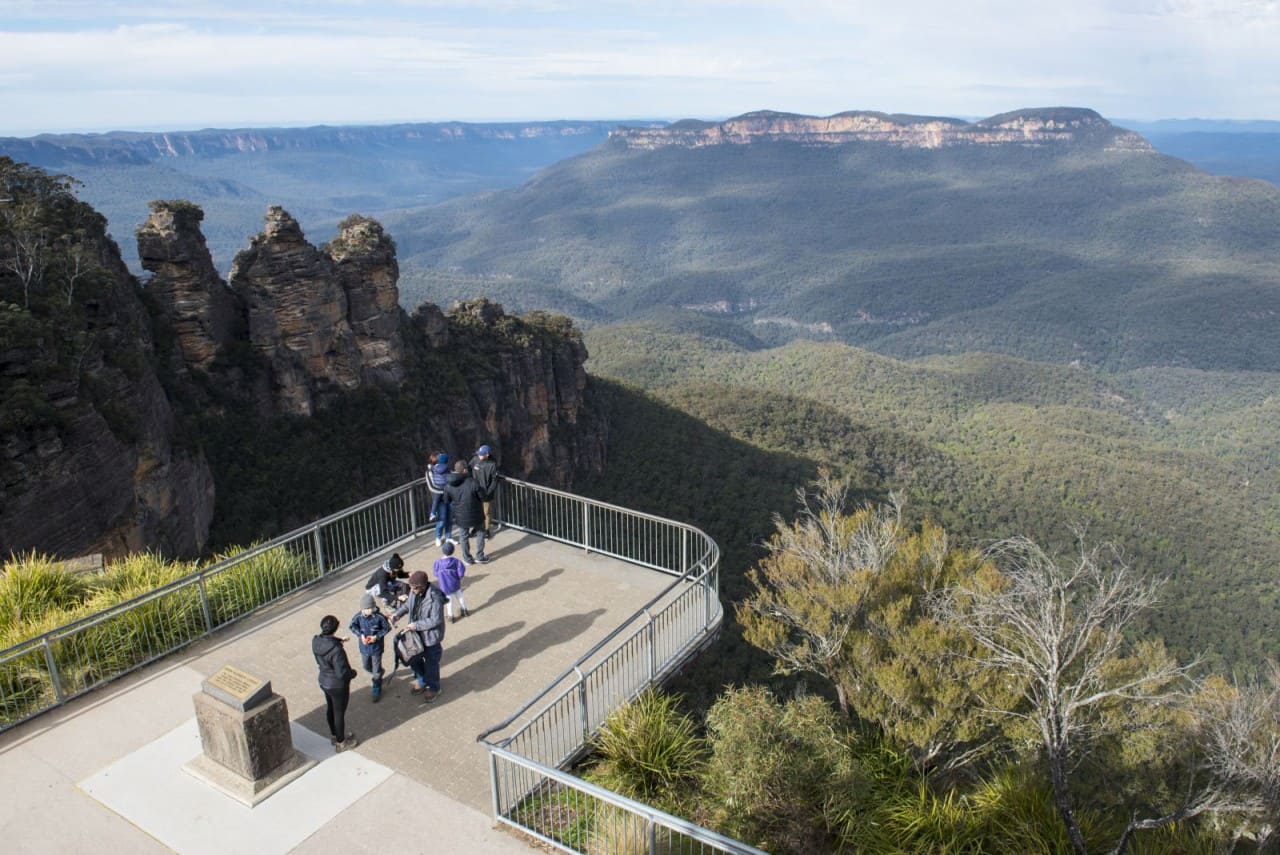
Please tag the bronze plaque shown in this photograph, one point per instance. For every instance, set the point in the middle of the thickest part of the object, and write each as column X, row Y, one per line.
column 237, row 687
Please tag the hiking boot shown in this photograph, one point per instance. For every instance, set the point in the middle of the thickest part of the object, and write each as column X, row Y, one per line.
column 348, row 743
column 429, row 697
column 466, row 612
column 377, row 694
column 482, row 559
column 453, row 618
column 438, row 541
column 416, row 690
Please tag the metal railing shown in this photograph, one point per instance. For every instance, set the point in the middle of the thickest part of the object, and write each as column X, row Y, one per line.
column 48, row 670
column 529, row 787
column 43, row 672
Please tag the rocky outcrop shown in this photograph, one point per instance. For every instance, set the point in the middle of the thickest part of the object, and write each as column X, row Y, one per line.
column 525, row 392
column 90, row 457
column 1034, row 128
column 187, row 289
column 297, row 315
column 93, row 456
column 365, row 258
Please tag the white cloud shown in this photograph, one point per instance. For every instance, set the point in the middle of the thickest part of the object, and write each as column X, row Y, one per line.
column 73, row 63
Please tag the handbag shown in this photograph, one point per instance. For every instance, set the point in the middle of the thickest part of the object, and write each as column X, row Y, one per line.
column 409, row 644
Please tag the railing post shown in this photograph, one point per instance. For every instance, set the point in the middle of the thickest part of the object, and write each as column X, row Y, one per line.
column 653, row 836
column 582, row 702
column 53, row 671
column 493, row 783
column 684, row 551
column 653, row 651
column 586, row 527
column 413, row 515
column 204, row 606
column 320, row 550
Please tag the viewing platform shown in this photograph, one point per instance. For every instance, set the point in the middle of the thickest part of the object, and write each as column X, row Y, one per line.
column 575, row 630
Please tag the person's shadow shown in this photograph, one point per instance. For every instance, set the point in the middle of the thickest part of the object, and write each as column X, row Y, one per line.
column 492, row 669
column 522, row 587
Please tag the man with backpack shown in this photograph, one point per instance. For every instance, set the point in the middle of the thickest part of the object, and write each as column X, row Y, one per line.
column 425, row 610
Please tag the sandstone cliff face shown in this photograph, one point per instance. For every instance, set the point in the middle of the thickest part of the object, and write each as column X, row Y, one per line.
column 526, row 391
column 365, row 259
column 1034, row 128
column 187, row 289
column 91, row 452
column 297, row 314
column 88, row 459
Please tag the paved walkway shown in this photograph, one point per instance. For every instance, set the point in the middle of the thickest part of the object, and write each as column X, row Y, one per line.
column 535, row 608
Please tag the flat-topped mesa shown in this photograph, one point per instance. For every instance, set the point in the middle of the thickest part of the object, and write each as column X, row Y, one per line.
column 1052, row 126
column 185, row 285
column 297, row 313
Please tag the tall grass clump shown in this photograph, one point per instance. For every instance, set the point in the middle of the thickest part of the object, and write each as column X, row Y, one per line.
column 256, row 580
column 33, row 585
column 649, row 751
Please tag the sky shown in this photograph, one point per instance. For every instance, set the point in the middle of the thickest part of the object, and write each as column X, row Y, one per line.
column 90, row 65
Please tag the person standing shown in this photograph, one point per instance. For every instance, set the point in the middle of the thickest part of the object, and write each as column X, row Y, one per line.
column 449, row 572
column 371, row 626
column 437, row 479
column 468, row 512
column 484, row 469
column 335, row 679
column 425, row 610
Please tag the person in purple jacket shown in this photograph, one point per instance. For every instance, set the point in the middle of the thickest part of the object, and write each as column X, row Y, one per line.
column 449, row 572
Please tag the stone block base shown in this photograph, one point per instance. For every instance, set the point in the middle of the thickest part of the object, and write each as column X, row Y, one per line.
column 248, row 792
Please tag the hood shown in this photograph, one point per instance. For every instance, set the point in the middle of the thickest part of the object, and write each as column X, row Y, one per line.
column 456, row 478
column 322, row 644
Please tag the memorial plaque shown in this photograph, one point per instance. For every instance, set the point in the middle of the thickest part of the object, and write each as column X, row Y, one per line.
column 237, row 687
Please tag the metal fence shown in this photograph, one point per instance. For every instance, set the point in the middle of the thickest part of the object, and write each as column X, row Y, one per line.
column 526, row 751
column 45, row 671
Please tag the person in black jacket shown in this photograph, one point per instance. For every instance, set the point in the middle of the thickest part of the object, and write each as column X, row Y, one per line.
column 468, row 512
column 336, row 675
column 484, row 469
column 386, row 581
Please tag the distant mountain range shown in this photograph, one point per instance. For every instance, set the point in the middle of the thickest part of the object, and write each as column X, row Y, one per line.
column 321, row 174
column 1045, row 234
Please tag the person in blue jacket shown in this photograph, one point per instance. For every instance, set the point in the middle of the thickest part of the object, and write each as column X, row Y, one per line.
column 371, row 626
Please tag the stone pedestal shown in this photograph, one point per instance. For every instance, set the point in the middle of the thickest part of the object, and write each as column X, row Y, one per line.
column 248, row 747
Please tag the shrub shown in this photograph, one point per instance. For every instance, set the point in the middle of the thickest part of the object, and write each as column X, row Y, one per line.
column 780, row 776
column 649, row 751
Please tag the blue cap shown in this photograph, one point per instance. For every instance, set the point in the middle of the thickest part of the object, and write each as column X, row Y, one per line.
column 483, row 451
column 442, row 458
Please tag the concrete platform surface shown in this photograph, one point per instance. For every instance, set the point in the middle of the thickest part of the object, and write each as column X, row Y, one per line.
column 104, row 771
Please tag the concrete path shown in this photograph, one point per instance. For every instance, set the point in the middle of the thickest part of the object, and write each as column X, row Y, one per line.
column 535, row 608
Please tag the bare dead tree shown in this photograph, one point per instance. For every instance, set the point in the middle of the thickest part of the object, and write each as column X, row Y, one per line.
column 24, row 245
column 1059, row 630
column 1241, row 738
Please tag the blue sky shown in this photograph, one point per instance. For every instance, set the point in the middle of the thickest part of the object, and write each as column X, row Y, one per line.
column 163, row 65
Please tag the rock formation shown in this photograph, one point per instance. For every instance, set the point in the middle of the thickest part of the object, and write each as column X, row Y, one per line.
column 365, row 258
column 531, row 403
column 186, row 287
column 90, row 454
column 93, row 457
column 297, row 312
column 1034, row 128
